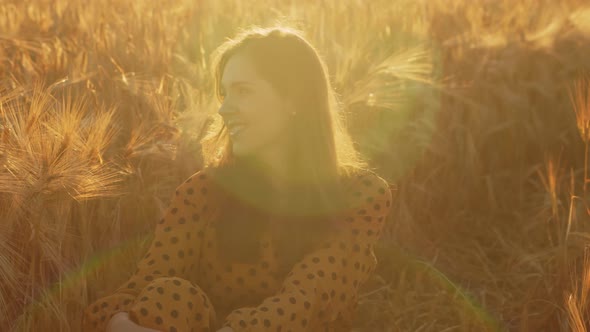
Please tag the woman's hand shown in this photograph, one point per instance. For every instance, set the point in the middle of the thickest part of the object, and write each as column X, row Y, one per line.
column 122, row 323
column 225, row 329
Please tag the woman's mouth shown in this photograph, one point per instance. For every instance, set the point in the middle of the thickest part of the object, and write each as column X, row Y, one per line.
column 236, row 130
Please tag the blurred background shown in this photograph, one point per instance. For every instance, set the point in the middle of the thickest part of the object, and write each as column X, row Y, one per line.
column 477, row 113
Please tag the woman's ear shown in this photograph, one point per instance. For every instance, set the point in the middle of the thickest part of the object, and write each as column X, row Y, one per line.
column 289, row 107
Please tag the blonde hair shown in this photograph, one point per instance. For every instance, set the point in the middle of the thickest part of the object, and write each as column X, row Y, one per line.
column 321, row 150
column 290, row 63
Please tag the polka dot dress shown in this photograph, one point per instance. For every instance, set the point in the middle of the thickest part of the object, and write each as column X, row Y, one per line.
column 182, row 284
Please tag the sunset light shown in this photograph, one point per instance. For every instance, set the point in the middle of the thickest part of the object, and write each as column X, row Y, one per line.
column 382, row 165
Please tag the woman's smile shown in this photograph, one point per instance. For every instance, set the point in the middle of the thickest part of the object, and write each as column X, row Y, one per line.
column 237, row 130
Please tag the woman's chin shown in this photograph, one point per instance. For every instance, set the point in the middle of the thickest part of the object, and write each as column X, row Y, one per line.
column 239, row 150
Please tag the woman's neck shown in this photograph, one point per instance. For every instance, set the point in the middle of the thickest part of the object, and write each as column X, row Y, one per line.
column 275, row 173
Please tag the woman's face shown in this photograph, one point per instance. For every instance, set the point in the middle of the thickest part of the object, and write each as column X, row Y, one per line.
column 255, row 115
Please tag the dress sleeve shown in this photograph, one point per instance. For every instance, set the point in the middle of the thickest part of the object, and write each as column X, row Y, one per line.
column 174, row 251
column 324, row 285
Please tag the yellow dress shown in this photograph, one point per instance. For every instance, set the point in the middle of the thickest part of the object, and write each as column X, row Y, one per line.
column 181, row 284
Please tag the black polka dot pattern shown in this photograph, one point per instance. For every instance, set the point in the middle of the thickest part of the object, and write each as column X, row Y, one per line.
column 166, row 257
column 181, row 276
column 324, row 285
column 166, row 309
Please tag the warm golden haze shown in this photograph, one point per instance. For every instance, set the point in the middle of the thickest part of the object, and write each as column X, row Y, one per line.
column 475, row 111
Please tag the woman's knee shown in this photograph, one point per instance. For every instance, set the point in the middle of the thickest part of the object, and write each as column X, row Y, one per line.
column 173, row 301
column 177, row 281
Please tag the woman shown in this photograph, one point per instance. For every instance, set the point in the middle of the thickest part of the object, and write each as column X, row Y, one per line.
column 276, row 232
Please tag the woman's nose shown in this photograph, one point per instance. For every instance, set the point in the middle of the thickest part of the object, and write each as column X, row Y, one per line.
column 227, row 110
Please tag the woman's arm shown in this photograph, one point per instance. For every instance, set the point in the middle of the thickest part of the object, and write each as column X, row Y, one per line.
column 325, row 283
column 174, row 251
column 120, row 322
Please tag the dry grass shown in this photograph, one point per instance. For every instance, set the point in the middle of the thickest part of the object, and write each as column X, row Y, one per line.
column 473, row 109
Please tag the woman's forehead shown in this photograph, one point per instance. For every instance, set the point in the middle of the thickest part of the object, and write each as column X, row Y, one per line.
column 239, row 69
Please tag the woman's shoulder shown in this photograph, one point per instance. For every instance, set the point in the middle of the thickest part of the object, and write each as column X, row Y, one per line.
column 201, row 182
column 366, row 181
column 203, row 175
column 202, row 189
column 366, row 189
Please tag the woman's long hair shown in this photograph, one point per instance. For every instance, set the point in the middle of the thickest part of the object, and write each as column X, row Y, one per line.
column 322, row 154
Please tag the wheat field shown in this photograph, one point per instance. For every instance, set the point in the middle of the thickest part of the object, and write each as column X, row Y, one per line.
column 477, row 111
